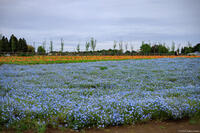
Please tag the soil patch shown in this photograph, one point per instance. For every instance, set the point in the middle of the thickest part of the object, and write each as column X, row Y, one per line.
column 183, row 126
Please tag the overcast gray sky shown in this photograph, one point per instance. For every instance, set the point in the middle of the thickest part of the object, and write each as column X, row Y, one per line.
column 106, row 20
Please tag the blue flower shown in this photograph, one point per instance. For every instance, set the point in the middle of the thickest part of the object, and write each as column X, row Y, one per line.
column 81, row 95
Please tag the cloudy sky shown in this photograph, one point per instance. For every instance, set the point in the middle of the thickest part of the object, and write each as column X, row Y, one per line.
column 106, row 20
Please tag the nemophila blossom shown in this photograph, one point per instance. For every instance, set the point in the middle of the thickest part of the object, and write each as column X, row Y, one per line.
column 79, row 95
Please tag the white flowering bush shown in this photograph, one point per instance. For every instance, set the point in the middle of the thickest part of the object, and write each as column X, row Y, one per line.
column 98, row 94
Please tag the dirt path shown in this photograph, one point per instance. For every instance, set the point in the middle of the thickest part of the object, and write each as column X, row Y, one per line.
column 183, row 126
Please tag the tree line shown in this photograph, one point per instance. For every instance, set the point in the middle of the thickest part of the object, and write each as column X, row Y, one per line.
column 14, row 45
column 147, row 48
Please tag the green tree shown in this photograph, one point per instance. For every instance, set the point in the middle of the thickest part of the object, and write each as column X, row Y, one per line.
column 126, row 46
column 114, row 45
column 87, row 45
column 162, row 49
column 62, row 44
column 78, row 48
column 159, row 48
column 178, row 48
column 186, row 50
column 120, row 47
column 93, row 44
column 22, row 45
column 41, row 50
column 1, row 45
column 173, row 47
column 154, row 49
column 51, row 46
column 14, row 43
column 145, row 48
column 44, row 45
column 196, row 47
column 31, row 49
column 6, row 45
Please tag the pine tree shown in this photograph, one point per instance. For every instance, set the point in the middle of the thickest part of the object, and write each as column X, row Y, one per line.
column 20, row 44
column 14, row 43
column 5, row 45
column 1, row 45
column 24, row 46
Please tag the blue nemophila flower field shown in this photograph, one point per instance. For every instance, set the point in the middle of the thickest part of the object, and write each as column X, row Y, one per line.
column 99, row 94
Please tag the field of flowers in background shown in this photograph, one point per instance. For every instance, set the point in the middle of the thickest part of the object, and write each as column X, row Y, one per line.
column 72, row 59
column 98, row 94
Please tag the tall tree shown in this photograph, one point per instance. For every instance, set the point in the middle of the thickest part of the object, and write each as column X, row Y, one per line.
column 51, row 46
column 121, row 47
column 87, row 45
column 1, row 45
column 126, row 46
column 14, row 43
column 93, row 44
column 78, row 48
column 178, row 48
column 114, row 45
column 62, row 44
column 4, row 44
column 20, row 45
column 154, row 49
column 7, row 45
column 44, row 45
column 24, row 46
column 173, row 46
